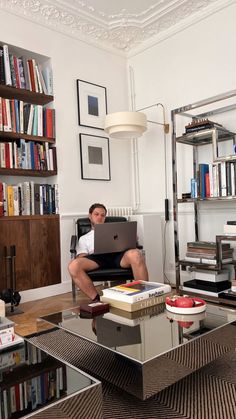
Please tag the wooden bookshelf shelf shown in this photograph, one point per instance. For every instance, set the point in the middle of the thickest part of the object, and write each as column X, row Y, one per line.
column 25, row 95
column 16, row 135
column 27, row 172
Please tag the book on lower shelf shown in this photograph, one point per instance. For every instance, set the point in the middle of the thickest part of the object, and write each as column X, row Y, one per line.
column 210, row 275
column 200, row 287
column 140, row 305
column 207, row 261
column 135, row 291
column 202, row 292
column 207, row 285
column 230, row 228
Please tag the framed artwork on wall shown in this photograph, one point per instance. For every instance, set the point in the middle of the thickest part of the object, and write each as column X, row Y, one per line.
column 92, row 104
column 95, row 157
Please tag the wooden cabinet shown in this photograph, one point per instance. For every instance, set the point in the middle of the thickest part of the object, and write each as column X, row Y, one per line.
column 37, row 242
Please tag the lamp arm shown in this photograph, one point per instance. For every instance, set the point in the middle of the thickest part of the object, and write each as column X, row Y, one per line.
column 164, row 124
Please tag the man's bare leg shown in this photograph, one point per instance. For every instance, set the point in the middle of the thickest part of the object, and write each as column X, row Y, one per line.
column 77, row 269
column 133, row 258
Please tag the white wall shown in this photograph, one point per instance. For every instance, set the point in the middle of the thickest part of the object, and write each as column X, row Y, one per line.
column 71, row 60
column 194, row 64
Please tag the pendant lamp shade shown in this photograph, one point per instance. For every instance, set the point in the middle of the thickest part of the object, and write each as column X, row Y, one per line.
column 125, row 124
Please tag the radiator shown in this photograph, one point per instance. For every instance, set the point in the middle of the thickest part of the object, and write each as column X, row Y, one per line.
column 120, row 211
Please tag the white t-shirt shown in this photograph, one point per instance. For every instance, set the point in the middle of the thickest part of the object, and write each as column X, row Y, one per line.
column 86, row 243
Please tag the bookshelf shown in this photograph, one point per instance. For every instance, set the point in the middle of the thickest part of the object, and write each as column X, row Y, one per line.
column 216, row 144
column 29, row 214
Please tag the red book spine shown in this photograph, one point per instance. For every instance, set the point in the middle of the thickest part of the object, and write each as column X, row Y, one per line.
column 49, row 123
column 17, row 395
column 207, row 185
column 13, row 115
column 4, row 114
column 7, row 155
column 32, row 79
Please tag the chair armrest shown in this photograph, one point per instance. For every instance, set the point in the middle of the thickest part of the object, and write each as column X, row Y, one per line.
column 73, row 245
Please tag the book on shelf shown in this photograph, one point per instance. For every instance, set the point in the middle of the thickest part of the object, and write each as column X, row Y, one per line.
column 140, row 305
column 200, row 291
column 208, row 285
column 211, row 255
column 210, row 276
column 7, row 69
column 214, row 261
column 203, row 170
column 207, row 245
column 229, row 228
column 135, row 291
column 207, row 261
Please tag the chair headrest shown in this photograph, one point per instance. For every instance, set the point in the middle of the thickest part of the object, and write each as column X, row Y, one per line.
column 84, row 225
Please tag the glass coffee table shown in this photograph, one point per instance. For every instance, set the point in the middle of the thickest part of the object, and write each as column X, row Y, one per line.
column 142, row 352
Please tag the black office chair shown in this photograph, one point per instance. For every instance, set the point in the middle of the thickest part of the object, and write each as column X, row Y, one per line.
column 83, row 226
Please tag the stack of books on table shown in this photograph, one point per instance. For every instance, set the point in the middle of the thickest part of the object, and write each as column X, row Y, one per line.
column 7, row 333
column 205, row 252
column 230, row 227
column 133, row 318
column 136, row 295
column 208, row 282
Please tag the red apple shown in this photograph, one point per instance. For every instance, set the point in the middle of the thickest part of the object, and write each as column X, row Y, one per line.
column 185, row 325
column 184, row 302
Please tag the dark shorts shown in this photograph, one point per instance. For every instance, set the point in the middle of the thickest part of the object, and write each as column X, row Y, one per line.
column 107, row 260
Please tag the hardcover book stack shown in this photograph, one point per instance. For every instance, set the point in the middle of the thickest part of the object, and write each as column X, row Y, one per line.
column 200, row 125
column 136, row 295
column 134, row 318
column 208, row 282
column 205, row 252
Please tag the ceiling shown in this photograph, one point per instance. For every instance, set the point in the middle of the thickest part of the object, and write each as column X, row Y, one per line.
column 123, row 26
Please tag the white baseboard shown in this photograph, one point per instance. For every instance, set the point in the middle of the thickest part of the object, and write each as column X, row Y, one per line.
column 44, row 292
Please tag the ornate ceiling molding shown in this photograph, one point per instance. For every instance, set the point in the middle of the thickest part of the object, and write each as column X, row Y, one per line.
column 122, row 31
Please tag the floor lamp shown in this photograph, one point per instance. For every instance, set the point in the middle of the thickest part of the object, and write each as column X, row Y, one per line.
column 131, row 125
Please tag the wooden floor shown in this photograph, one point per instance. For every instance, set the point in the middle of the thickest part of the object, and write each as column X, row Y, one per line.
column 25, row 323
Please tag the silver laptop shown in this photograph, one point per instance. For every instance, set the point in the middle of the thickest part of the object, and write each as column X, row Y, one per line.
column 115, row 237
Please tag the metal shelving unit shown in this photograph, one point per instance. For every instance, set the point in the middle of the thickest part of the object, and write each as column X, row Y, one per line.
column 197, row 139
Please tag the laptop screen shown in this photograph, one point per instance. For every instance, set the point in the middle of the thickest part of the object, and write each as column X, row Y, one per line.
column 115, row 237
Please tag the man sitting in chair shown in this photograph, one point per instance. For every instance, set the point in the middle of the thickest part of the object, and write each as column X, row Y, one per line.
column 87, row 261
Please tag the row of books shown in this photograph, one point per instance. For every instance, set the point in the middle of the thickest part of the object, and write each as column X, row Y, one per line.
column 205, row 252
column 24, row 73
column 27, row 395
column 27, row 155
column 214, row 180
column 25, row 118
column 28, row 198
